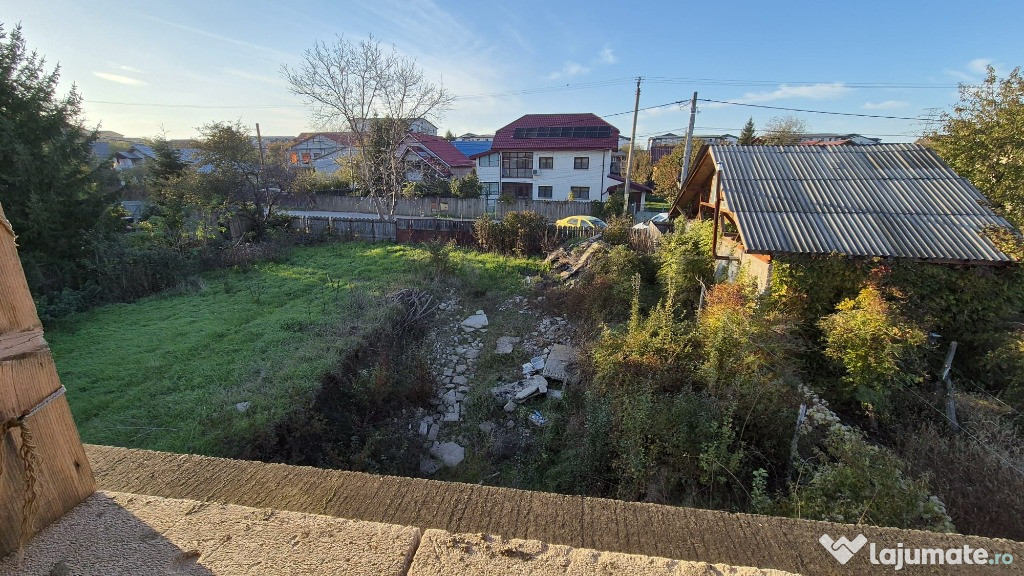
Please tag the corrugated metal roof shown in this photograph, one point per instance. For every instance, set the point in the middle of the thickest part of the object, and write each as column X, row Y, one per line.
column 889, row 200
column 472, row 147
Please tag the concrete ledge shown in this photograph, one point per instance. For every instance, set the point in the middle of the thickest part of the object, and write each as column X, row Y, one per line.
column 632, row 528
column 113, row 534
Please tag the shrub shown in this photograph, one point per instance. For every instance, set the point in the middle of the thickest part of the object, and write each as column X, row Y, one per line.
column 685, row 260
column 873, row 344
column 468, row 186
column 618, row 230
column 519, row 233
column 847, row 479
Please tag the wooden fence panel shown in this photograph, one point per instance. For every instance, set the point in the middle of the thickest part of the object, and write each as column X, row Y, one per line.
column 465, row 208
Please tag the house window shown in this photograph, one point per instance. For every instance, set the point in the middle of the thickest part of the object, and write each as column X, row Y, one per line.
column 580, row 192
column 294, row 157
column 517, row 165
column 489, row 161
column 581, row 163
column 544, row 191
column 546, row 163
column 305, row 158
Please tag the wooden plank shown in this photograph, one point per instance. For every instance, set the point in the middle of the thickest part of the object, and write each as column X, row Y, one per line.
column 17, row 310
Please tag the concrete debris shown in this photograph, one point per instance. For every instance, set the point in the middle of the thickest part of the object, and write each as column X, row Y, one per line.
column 511, row 406
column 449, row 452
column 486, row 427
column 555, row 394
column 429, row 466
column 537, row 418
column 558, row 363
column 538, row 362
column 505, row 344
column 242, row 406
column 476, row 321
column 459, row 380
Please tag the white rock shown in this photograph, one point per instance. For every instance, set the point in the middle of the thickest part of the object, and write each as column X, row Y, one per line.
column 449, row 452
column 479, row 312
column 472, row 354
column 464, row 389
column 510, row 406
column 242, row 406
column 452, row 416
column 432, row 434
column 460, row 368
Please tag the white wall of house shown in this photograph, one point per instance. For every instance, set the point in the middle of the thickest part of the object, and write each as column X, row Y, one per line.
column 561, row 177
column 329, row 163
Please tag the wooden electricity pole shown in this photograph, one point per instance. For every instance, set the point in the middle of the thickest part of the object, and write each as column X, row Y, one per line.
column 629, row 157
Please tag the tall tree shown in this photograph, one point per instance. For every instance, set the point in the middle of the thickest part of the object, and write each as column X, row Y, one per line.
column 239, row 181
column 168, row 188
column 642, row 169
column 48, row 182
column 666, row 171
column 374, row 93
column 983, row 140
column 747, row 137
column 783, row 131
column 449, row 136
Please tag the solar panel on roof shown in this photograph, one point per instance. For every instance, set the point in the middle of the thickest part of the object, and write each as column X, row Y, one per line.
column 564, row 132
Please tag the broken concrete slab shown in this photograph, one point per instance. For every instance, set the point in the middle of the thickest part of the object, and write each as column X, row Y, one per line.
column 242, row 406
column 449, row 452
column 486, row 427
column 559, row 363
column 476, row 321
column 505, row 344
column 511, row 406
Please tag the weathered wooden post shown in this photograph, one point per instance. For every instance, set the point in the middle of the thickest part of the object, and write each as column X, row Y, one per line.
column 43, row 468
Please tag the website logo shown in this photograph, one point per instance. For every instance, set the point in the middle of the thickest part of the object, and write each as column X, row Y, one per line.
column 843, row 549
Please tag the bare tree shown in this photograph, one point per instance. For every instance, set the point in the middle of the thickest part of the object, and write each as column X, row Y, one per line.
column 783, row 131
column 373, row 93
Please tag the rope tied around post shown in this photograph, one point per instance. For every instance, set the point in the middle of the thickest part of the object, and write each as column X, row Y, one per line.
column 29, row 457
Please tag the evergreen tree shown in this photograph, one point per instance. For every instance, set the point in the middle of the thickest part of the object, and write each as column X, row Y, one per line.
column 747, row 135
column 49, row 186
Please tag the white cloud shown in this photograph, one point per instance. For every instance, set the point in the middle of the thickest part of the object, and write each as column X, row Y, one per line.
column 811, row 91
column 974, row 71
column 131, row 69
column 569, row 69
column 606, row 56
column 886, row 105
column 119, row 79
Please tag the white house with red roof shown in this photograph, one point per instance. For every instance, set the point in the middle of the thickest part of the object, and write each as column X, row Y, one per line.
column 429, row 156
column 550, row 157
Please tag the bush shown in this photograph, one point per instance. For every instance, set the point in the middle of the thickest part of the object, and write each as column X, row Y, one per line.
column 874, row 345
column 519, row 233
column 618, row 229
column 468, row 186
column 685, row 260
column 847, row 479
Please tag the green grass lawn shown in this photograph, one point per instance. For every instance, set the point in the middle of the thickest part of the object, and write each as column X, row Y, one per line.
column 165, row 372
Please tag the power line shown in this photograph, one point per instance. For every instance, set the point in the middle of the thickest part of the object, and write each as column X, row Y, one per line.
column 859, row 115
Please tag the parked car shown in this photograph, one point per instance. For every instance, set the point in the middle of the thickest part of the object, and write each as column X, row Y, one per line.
column 581, row 222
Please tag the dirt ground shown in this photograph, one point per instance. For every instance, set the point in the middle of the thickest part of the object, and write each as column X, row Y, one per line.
column 634, row 528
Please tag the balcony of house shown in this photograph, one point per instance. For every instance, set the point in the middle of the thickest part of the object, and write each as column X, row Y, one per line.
column 517, row 165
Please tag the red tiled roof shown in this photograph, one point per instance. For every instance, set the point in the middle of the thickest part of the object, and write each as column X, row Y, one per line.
column 443, row 149
column 504, row 140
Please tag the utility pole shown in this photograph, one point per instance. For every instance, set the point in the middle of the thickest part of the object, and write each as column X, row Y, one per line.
column 689, row 142
column 629, row 157
column 259, row 140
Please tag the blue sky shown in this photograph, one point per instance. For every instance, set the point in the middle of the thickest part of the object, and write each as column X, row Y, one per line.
column 147, row 67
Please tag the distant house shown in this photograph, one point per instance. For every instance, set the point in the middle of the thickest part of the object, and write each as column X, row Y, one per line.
column 135, row 155
column 886, row 200
column 417, row 125
column 661, row 146
column 101, row 151
column 470, row 137
column 321, row 151
column 429, row 157
column 550, row 157
column 827, row 138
